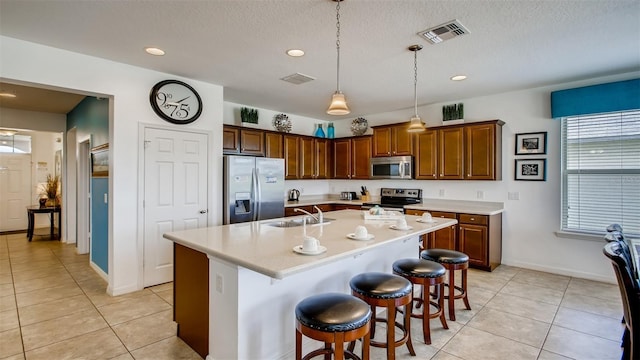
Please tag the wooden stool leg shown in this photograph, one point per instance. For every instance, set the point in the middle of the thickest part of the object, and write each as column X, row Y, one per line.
column 452, row 296
column 391, row 338
column 440, row 292
column 464, row 289
column 298, row 345
column 373, row 321
column 407, row 326
column 338, row 353
column 426, row 331
column 365, row 345
column 327, row 346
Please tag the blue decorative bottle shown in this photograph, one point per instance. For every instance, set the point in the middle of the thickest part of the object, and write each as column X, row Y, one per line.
column 319, row 132
column 331, row 131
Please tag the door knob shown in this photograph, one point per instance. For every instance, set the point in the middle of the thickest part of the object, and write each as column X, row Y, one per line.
column 203, row 211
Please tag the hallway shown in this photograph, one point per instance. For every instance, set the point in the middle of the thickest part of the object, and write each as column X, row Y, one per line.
column 54, row 306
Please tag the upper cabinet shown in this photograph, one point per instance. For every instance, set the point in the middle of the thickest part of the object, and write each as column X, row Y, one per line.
column 242, row 141
column 460, row 152
column 306, row 157
column 483, row 151
column 392, row 140
column 351, row 157
column 274, row 145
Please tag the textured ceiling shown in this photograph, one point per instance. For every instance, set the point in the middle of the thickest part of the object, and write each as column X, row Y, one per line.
column 38, row 99
column 513, row 44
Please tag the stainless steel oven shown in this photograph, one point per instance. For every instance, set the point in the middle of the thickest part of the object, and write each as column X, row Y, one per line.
column 392, row 167
column 395, row 199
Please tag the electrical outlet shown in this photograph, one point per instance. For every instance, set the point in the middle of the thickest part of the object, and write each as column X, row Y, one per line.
column 480, row 194
column 514, row 195
column 333, row 189
column 441, row 192
column 219, row 284
column 301, row 190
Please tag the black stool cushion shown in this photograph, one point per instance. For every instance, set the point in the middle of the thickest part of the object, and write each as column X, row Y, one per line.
column 445, row 256
column 380, row 285
column 419, row 268
column 333, row 312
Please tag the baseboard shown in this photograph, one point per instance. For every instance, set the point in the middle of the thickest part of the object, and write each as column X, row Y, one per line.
column 121, row 290
column 100, row 272
column 563, row 271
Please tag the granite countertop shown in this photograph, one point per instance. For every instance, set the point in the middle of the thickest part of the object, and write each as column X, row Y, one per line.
column 457, row 206
column 269, row 250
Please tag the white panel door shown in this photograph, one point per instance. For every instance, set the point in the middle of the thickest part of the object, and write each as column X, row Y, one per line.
column 175, row 195
column 15, row 190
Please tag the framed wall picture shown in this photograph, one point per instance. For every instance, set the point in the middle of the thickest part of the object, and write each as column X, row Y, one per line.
column 100, row 161
column 531, row 143
column 531, row 169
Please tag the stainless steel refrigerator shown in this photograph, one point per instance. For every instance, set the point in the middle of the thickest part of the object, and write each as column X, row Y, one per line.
column 253, row 188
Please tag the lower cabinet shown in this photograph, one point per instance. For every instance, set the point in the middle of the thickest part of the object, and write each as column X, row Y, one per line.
column 346, row 207
column 478, row 236
column 289, row 211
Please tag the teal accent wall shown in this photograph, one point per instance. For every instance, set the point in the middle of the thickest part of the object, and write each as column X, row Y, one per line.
column 99, row 225
column 91, row 119
column 596, row 99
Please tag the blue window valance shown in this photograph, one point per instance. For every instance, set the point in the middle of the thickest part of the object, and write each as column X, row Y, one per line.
column 596, row 99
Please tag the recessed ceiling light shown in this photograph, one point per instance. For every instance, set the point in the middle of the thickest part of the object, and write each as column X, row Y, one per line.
column 154, row 51
column 7, row 94
column 295, row 52
column 458, row 77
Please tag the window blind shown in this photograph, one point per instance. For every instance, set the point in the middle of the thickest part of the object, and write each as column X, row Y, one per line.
column 601, row 172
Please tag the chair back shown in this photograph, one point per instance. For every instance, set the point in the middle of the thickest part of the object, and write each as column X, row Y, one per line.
column 627, row 282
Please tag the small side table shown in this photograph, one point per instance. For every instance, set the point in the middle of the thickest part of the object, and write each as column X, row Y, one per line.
column 37, row 209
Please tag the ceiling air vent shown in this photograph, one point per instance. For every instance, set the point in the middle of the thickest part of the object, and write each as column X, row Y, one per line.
column 446, row 31
column 297, row 78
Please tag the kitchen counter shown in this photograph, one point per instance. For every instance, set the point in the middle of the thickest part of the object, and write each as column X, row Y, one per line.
column 268, row 250
column 243, row 308
column 322, row 199
column 457, row 206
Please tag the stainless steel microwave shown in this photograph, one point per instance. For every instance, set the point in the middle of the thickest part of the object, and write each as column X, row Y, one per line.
column 392, row 167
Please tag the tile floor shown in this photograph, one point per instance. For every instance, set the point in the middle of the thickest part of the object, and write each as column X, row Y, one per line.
column 54, row 306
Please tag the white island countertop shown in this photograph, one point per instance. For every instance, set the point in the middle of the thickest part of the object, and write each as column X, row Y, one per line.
column 459, row 206
column 268, row 250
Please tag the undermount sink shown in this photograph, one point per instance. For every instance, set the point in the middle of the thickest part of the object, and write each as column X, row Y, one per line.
column 297, row 222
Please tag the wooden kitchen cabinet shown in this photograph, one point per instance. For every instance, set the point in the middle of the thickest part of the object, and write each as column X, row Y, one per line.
column 236, row 140
column 480, row 237
column 315, row 158
column 426, row 161
column 346, row 207
column 451, row 152
column 289, row 211
column 230, row 140
column 483, row 151
column 392, row 140
column 252, row 142
column 351, row 157
column 274, row 146
column 291, row 155
column 441, row 239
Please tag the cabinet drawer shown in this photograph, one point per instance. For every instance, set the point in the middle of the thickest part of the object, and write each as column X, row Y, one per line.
column 442, row 214
column 413, row 212
column 474, row 219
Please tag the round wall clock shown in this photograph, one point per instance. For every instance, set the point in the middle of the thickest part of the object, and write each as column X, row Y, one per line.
column 175, row 102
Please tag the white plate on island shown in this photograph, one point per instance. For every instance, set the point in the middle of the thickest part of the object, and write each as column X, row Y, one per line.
column 394, row 227
column 353, row 237
column 426, row 221
column 299, row 250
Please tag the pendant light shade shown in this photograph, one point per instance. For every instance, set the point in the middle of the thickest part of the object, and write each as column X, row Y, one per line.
column 338, row 104
column 416, row 123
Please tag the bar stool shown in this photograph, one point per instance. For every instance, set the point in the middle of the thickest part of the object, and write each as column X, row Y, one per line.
column 452, row 260
column 390, row 291
column 425, row 273
column 333, row 318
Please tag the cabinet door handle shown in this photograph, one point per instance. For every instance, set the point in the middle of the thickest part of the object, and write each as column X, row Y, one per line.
column 472, row 219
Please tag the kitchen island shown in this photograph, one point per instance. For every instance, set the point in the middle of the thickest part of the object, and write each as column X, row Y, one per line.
column 255, row 279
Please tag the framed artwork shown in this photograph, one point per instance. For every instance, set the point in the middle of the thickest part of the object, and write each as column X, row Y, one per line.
column 531, row 143
column 531, row 169
column 100, row 161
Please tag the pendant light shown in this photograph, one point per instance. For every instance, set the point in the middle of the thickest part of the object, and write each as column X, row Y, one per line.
column 338, row 101
column 416, row 123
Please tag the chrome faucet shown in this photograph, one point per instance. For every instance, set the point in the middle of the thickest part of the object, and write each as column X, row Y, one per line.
column 320, row 215
column 318, row 218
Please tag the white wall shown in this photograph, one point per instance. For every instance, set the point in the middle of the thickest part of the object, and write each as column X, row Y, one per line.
column 128, row 87
column 301, row 125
